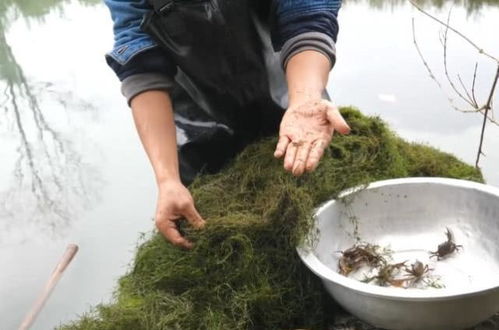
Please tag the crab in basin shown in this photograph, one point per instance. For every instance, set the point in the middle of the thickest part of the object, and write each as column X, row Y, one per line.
column 447, row 247
column 387, row 275
column 417, row 271
column 359, row 255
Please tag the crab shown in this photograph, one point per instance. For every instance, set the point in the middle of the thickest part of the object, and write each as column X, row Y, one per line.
column 417, row 271
column 386, row 275
column 357, row 256
column 446, row 247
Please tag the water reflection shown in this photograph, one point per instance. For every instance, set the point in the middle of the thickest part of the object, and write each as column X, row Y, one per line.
column 471, row 6
column 11, row 9
column 49, row 182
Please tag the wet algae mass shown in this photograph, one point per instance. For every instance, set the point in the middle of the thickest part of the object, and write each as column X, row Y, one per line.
column 244, row 272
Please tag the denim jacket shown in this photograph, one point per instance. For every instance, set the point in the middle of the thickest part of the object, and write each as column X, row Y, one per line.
column 300, row 25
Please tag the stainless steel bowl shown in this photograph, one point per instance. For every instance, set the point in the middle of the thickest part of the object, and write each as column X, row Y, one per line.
column 411, row 216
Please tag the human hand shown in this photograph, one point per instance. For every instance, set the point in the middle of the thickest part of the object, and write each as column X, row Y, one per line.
column 305, row 132
column 174, row 203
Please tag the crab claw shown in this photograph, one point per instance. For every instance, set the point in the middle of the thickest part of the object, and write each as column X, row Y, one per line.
column 449, row 235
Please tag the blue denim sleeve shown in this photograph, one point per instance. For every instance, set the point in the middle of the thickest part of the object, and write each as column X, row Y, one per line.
column 301, row 22
column 134, row 51
column 294, row 17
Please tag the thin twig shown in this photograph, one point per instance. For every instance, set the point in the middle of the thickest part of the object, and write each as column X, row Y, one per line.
column 470, row 98
column 473, row 84
column 481, row 110
column 446, row 68
column 485, row 116
column 472, row 102
column 480, row 50
column 430, row 72
column 421, row 54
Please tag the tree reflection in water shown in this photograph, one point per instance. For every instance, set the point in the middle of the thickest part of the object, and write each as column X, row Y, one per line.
column 471, row 6
column 49, row 183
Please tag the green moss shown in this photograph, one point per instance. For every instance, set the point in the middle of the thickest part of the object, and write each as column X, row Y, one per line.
column 244, row 272
column 424, row 161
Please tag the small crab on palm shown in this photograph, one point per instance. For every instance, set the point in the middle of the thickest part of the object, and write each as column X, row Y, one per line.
column 446, row 247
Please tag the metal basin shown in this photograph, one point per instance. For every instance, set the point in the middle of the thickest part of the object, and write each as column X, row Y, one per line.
column 410, row 216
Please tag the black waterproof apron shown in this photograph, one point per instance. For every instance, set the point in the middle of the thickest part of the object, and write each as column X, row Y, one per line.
column 230, row 87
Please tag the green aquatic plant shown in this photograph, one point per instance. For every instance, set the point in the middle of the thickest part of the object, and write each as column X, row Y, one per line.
column 244, row 272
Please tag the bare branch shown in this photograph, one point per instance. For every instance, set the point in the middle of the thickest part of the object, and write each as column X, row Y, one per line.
column 473, row 84
column 470, row 98
column 446, row 68
column 480, row 50
column 485, row 116
column 481, row 110
column 430, row 72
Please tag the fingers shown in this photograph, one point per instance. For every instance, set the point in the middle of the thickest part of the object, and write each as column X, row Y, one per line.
column 301, row 159
column 168, row 228
column 315, row 155
column 193, row 217
column 306, row 134
column 336, row 119
column 289, row 159
column 281, row 146
column 179, row 204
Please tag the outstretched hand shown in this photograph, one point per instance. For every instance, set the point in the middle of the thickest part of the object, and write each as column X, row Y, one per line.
column 305, row 132
column 174, row 203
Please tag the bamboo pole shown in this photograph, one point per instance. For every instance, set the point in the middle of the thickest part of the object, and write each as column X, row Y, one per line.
column 49, row 287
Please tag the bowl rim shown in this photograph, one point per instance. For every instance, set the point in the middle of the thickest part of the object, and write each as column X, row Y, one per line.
column 326, row 273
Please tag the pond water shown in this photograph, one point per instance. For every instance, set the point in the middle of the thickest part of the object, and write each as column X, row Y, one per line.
column 72, row 168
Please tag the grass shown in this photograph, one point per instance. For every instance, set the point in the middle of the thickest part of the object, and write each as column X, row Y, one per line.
column 244, row 272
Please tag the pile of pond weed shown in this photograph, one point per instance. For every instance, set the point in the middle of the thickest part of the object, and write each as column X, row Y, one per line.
column 244, row 272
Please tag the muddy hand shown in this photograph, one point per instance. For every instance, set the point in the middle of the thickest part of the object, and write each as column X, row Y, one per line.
column 174, row 203
column 305, row 133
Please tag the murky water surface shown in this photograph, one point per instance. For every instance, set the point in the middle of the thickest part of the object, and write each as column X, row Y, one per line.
column 72, row 168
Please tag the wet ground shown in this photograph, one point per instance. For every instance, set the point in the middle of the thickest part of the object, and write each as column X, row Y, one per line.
column 72, row 168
